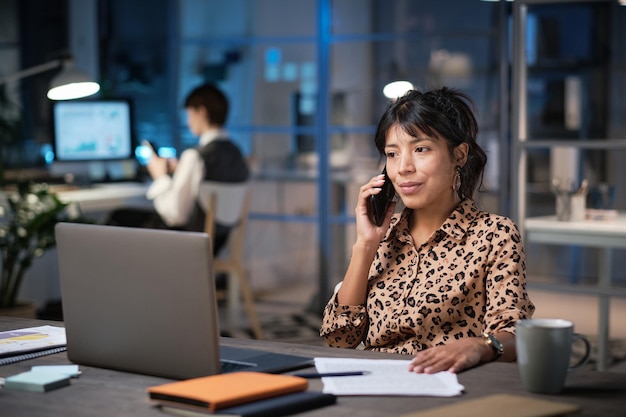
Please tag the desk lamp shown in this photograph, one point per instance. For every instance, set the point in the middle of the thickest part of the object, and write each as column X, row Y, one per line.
column 69, row 84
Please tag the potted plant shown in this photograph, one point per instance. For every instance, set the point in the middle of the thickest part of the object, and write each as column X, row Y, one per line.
column 27, row 219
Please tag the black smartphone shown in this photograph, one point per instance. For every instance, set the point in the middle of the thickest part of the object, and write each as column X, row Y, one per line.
column 378, row 204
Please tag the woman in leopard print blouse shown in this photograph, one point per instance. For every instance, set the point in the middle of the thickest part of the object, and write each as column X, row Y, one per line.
column 441, row 280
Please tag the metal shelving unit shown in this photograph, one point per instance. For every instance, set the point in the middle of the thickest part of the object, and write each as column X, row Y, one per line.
column 545, row 229
column 523, row 142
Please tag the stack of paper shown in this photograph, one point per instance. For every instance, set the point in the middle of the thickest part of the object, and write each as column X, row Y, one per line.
column 385, row 377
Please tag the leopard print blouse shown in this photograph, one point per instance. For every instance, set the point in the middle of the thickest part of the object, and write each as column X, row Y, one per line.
column 467, row 279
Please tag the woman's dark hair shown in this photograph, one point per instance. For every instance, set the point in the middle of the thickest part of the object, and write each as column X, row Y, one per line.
column 443, row 113
column 212, row 99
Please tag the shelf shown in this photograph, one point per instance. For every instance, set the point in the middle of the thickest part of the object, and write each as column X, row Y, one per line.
column 569, row 67
column 578, row 289
column 603, row 144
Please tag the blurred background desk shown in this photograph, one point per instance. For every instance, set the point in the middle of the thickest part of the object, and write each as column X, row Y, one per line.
column 99, row 199
column 604, row 235
column 41, row 283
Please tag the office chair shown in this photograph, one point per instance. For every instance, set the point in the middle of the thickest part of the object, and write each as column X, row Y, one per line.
column 229, row 204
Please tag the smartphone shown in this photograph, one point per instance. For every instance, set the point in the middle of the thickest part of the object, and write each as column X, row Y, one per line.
column 148, row 144
column 378, row 204
column 144, row 152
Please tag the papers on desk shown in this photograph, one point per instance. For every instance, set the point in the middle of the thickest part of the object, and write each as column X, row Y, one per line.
column 385, row 377
column 31, row 342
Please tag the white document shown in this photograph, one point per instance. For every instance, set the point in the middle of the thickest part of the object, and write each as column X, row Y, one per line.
column 31, row 339
column 384, row 377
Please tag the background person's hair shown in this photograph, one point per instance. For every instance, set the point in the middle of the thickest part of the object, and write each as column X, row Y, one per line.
column 212, row 99
column 444, row 113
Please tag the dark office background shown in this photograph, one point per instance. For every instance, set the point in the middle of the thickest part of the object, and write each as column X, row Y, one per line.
column 305, row 80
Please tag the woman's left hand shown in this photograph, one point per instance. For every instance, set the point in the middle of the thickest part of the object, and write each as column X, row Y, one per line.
column 452, row 357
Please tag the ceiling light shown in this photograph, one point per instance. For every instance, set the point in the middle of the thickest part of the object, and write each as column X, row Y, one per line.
column 396, row 89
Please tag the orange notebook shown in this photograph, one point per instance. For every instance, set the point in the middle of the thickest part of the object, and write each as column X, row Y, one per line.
column 226, row 390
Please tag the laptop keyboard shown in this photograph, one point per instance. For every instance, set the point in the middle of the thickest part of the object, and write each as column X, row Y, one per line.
column 234, row 366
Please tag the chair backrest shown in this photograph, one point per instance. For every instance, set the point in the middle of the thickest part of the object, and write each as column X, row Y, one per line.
column 229, row 200
column 228, row 204
column 237, row 237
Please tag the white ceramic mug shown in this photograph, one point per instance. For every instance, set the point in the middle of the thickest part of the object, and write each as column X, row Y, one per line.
column 544, row 348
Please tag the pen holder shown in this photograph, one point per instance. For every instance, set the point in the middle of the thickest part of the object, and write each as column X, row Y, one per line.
column 570, row 207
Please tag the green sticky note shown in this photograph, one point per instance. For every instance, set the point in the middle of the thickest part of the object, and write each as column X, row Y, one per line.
column 69, row 370
column 36, row 381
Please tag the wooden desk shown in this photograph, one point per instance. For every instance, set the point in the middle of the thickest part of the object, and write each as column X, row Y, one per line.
column 604, row 235
column 102, row 392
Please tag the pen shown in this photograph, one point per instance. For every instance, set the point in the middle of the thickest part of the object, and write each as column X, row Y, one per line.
column 330, row 374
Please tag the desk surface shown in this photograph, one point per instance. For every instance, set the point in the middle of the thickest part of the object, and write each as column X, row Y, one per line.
column 102, row 197
column 102, row 392
column 104, row 190
column 106, row 197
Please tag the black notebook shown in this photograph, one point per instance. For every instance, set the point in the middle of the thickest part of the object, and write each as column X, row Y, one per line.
column 283, row 405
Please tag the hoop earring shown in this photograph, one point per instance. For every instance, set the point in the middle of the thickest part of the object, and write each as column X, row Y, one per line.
column 456, row 183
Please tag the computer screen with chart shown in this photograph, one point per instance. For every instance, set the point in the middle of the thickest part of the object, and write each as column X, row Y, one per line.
column 93, row 130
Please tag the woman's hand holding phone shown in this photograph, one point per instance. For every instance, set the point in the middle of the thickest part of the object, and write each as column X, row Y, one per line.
column 372, row 210
column 368, row 237
column 378, row 204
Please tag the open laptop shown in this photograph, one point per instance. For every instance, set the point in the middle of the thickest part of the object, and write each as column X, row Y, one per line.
column 143, row 301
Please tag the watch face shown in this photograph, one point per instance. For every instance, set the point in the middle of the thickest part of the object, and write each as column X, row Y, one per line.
column 497, row 347
column 496, row 343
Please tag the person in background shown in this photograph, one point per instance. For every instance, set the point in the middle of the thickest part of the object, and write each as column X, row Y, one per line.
column 441, row 280
column 176, row 183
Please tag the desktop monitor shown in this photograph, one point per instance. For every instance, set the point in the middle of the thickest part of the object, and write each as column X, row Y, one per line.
column 93, row 130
